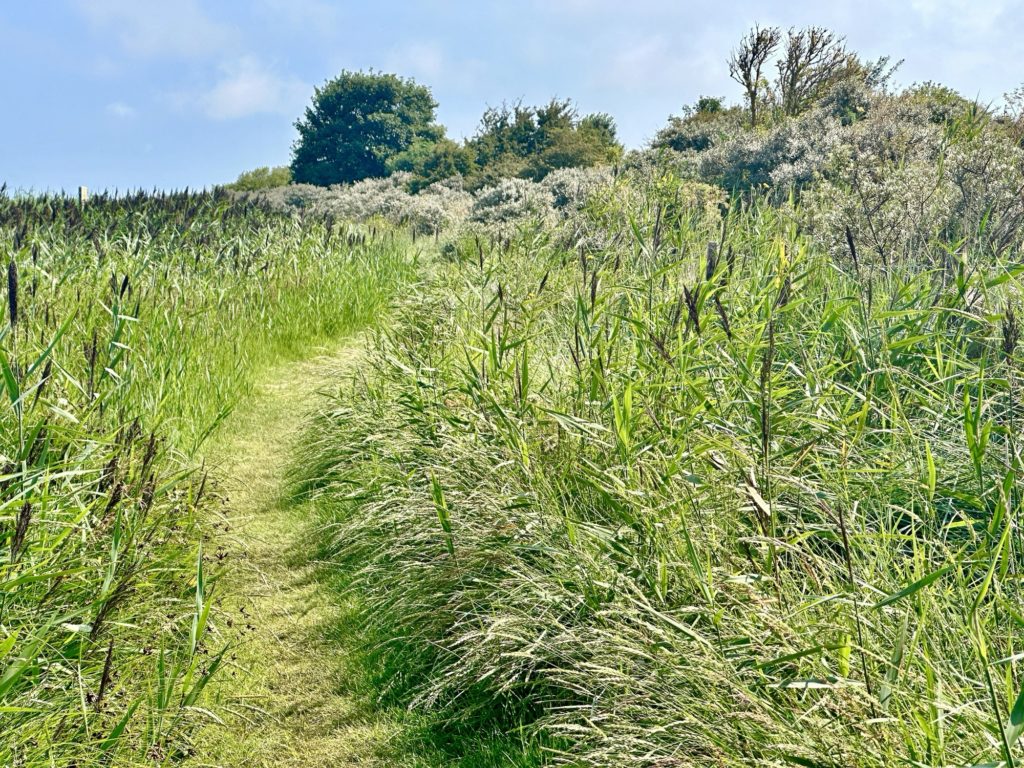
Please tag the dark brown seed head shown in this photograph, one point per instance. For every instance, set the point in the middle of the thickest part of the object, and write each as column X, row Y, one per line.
column 693, row 311
column 20, row 530
column 711, row 264
column 12, row 292
column 1011, row 332
column 853, row 249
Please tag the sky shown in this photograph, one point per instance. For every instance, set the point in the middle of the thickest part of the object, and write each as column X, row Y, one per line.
column 160, row 94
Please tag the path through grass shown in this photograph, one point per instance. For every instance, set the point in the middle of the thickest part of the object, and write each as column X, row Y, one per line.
column 287, row 698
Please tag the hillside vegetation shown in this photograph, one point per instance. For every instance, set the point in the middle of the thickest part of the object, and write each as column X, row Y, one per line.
column 710, row 458
column 692, row 500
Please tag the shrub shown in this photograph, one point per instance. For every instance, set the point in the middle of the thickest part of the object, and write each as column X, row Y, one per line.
column 570, row 188
column 262, row 178
column 906, row 186
column 699, row 131
column 787, row 155
column 505, row 207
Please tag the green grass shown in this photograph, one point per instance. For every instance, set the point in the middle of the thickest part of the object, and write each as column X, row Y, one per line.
column 653, row 488
column 296, row 690
column 131, row 329
column 635, row 504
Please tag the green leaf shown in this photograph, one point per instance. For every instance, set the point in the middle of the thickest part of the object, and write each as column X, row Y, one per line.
column 915, row 587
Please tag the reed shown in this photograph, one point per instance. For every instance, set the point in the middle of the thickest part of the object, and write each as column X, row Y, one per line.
column 759, row 510
column 139, row 322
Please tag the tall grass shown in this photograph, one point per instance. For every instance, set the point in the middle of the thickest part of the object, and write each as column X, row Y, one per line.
column 702, row 496
column 131, row 327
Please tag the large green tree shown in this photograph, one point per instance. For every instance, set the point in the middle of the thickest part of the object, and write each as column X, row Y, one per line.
column 357, row 123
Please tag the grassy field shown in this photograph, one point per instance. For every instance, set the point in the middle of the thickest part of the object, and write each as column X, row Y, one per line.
column 131, row 328
column 656, row 479
column 704, row 494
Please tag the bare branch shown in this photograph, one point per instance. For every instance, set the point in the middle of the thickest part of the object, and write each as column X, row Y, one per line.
column 747, row 62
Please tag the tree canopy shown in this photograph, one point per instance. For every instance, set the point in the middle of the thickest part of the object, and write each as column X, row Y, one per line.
column 263, row 177
column 530, row 142
column 357, row 123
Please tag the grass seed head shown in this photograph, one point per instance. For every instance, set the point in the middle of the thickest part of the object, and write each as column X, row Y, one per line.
column 12, row 292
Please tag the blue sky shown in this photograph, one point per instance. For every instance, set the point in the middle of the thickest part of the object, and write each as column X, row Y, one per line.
column 154, row 93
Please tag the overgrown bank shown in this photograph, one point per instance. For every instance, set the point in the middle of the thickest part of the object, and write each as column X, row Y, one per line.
column 691, row 490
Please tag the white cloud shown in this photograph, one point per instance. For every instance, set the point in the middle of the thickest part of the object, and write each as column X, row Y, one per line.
column 152, row 28
column 247, row 87
column 121, row 111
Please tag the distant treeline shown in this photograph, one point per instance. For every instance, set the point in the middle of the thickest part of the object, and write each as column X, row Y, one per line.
column 370, row 125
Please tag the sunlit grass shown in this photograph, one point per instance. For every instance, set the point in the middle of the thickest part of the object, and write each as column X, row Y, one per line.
column 131, row 329
column 668, row 503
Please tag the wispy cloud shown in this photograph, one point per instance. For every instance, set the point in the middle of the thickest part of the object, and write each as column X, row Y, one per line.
column 428, row 63
column 154, row 28
column 423, row 60
column 121, row 111
column 657, row 63
column 248, row 87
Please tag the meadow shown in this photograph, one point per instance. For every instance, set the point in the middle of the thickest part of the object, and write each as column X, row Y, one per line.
column 706, row 454
column 704, row 497
column 133, row 326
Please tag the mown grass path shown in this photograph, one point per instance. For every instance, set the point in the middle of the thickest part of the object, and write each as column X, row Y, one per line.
column 285, row 697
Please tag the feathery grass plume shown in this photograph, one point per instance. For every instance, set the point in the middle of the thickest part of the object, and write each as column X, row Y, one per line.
column 711, row 261
column 853, row 249
column 106, row 677
column 692, row 310
column 1010, row 331
column 723, row 316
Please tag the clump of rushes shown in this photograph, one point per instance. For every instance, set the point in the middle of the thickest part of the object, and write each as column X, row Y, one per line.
column 103, row 653
column 759, row 544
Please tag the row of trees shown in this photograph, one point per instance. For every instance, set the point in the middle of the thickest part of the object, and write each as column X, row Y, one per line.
column 368, row 124
column 364, row 125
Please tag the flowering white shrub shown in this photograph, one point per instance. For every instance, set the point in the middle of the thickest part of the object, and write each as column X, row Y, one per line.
column 904, row 185
column 442, row 206
column 790, row 154
column 438, row 207
column 570, row 188
column 987, row 176
column 503, row 208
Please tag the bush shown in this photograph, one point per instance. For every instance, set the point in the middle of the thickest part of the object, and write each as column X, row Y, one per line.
column 505, row 207
column 570, row 188
column 262, row 178
column 441, row 206
column 785, row 156
column 699, row 130
column 908, row 186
